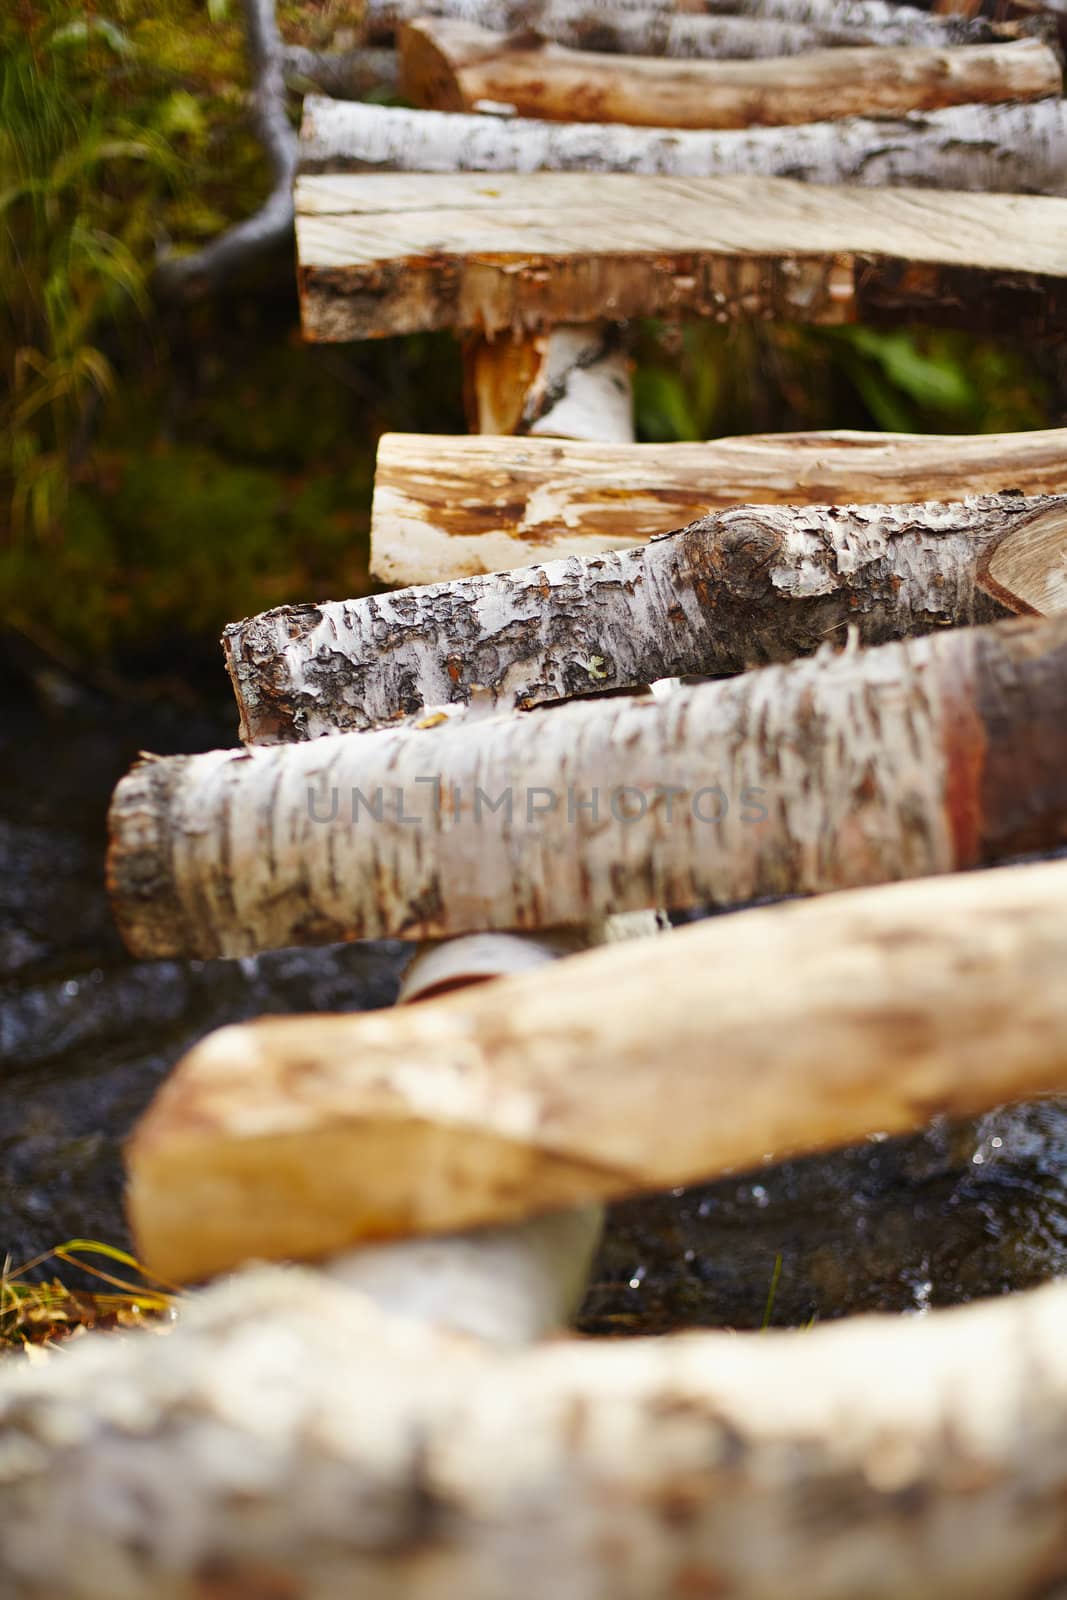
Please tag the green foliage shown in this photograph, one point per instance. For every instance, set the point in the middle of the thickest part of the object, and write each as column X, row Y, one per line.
column 162, row 475
column 705, row 381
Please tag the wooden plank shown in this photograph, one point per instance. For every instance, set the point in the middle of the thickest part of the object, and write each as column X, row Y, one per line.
column 448, row 507
column 1009, row 149
column 660, row 1062
column 404, row 252
column 455, row 66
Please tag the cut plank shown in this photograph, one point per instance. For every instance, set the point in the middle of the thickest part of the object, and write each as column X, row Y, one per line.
column 1011, row 149
column 398, row 253
column 289, row 1441
column 738, row 589
column 841, row 21
column 773, row 1032
column 455, row 66
column 924, row 756
column 448, row 507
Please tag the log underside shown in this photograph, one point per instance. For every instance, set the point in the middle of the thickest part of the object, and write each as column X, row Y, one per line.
column 451, row 507
column 399, row 253
column 735, row 590
column 288, row 1440
column 447, row 65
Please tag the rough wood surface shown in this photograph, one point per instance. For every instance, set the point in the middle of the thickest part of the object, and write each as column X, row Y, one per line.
column 838, row 770
column 454, row 66
column 771, row 1032
column 1014, row 149
column 737, row 589
column 384, row 254
column 289, row 1440
column 449, row 507
column 845, row 21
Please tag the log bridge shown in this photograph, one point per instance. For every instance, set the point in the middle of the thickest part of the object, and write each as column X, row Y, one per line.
column 612, row 679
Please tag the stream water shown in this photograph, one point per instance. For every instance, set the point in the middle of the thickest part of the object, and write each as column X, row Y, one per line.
column 86, row 1035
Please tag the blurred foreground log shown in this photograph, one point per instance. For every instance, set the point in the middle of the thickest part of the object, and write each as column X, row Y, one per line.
column 287, row 1439
column 913, row 758
column 773, row 1032
column 735, row 590
column 449, row 507
column 447, row 65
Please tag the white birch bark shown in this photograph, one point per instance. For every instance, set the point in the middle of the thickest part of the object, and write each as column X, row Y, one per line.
column 852, row 21
column 289, row 1439
column 1019, row 149
column 771, row 1033
column 447, row 65
column 735, row 590
column 828, row 772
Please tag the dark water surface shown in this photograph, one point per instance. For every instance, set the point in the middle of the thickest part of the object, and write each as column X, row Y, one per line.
column 86, row 1035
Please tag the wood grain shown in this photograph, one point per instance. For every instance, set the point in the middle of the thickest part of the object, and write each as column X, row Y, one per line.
column 448, row 507
column 386, row 254
column 447, row 65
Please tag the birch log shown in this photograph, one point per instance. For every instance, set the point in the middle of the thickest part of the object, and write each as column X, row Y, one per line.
column 737, row 589
column 773, row 1032
column 449, row 507
column 455, row 66
column 395, row 253
column 1014, row 149
column 287, row 1439
column 844, row 21
column 914, row 758
column 686, row 36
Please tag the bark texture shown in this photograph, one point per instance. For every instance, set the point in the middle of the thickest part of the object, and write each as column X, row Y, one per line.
column 447, row 507
column 662, row 33
column 773, row 1032
column 454, row 66
column 737, row 589
column 919, row 757
column 846, row 21
column 383, row 254
column 289, row 1440
column 1015, row 149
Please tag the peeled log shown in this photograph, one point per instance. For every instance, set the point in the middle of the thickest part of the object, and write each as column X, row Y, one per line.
column 390, row 253
column 1013, row 149
column 773, row 1032
column 449, row 507
column 834, row 21
column 289, row 1440
column 455, row 66
column 738, row 589
column 914, row 758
